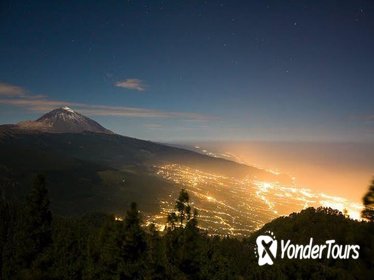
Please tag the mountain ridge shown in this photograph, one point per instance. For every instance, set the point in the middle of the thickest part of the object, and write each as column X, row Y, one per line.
column 51, row 132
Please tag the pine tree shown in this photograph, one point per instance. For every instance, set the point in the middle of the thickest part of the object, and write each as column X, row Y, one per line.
column 39, row 217
column 368, row 212
column 35, row 233
column 104, row 252
column 184, row 244
column 183, row 211
column 181, row 205
column 5, row 220
column 156, row 255
column 133, row 245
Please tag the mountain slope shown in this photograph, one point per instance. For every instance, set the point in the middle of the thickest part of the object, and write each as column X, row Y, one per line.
column 63, row 120
column 89, row 171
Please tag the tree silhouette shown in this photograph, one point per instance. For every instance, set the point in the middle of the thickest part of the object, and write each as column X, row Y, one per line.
column 39, row 215
column 133, row 245
column 5, row 220
column 34, row 235
column 156, row 255
column 171, row 220
column 368, row 200
column 182, row 206
column 183, row 213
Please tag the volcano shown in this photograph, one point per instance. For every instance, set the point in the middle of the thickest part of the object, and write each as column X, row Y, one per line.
column 63, row 120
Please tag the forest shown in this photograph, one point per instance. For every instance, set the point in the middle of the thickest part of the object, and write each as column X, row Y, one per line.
column 36, row 244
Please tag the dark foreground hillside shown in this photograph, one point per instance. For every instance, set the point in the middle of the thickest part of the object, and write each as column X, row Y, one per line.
column 35, row 244
column 321, row 224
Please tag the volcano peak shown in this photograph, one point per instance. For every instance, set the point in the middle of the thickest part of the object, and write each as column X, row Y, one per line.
column 63, row 120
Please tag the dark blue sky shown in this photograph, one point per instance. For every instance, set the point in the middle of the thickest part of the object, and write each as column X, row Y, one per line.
column 181, row 70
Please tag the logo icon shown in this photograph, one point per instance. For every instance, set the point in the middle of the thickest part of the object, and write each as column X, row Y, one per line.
column 266, row 248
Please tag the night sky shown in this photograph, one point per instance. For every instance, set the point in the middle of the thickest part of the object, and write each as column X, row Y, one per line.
column 194, row 70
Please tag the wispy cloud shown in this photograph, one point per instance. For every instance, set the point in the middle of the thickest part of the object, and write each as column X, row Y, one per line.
column 153, row 126
column 11, row 90
column 40, row 103
column 100, row 110
column 133, row 84
column 365, row 118
column 368, row 117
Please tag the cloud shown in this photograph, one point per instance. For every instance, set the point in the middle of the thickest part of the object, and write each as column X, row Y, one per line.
column 40, row 103
column 364, row 118
column 11, row 90
column 368, row 117
column 43, row 105
column 34, row 104
column 133, row 84
column 100, row 110
column 153, row 126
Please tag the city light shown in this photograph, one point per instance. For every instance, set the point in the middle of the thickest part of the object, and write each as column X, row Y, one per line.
column 238, row 206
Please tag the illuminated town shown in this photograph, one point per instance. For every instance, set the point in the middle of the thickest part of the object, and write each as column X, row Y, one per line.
column 238, row 206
